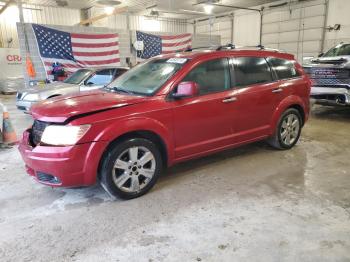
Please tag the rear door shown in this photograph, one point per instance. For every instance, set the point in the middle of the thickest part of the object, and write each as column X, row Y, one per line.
column 257, row 93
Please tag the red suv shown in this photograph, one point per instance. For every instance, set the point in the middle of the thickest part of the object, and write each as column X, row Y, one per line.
column 167, row 110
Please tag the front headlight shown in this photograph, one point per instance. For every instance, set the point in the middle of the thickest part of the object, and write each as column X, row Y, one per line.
column 31, row 97
column 63, row 135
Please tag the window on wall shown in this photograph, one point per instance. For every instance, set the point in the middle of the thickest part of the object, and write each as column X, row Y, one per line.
column 211, row 76
column 250, row 71
column 284, row 68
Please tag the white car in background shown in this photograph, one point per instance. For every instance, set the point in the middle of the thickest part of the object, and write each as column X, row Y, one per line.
column 82, row 80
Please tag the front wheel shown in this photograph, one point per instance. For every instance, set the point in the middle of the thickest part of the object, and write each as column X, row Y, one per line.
column 131, row 168
column 288, row 130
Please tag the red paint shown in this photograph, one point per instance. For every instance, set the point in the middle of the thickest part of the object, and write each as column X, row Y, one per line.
column 189, row 127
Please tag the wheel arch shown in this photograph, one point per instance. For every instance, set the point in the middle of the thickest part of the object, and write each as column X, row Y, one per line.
column 146, row 134
column 300, row 110
column 289, row 102
column 51, row 96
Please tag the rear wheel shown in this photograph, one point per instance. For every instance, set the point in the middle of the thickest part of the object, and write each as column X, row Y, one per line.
column 131, row 168
column 288, row 130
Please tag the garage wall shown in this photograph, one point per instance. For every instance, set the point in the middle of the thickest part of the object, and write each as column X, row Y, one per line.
column 338, row 13
column 295, row 28
column 142, row 23
column 246, row 28
column 38, row 14
column 216, row 26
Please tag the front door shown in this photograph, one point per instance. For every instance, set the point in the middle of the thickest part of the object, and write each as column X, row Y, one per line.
column 204, row 122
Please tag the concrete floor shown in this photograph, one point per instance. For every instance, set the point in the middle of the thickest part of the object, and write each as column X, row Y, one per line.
column 247, row 204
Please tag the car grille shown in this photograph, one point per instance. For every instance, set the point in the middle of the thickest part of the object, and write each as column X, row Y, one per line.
column 331, row 82
column 328, row 73
column 37, row 131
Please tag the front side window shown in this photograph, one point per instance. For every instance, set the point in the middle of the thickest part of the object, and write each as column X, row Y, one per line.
column 147, row 78
column 251, row 71
column 284, row 68
column 211, row 76
column 102, row 77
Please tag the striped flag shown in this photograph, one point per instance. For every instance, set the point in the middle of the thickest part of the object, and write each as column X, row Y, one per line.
column 74, row 50
column 162, row 44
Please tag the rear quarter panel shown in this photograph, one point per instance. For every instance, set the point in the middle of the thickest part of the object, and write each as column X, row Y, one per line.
column 298, row 94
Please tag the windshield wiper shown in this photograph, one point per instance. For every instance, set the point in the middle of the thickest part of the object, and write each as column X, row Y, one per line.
column 118, row 89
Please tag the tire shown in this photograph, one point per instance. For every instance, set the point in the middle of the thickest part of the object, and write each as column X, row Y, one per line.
column 131, row 168
column 288, row 130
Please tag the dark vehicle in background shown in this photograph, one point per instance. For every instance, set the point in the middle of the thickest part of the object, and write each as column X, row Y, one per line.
column 330, row 76
column 84, row 79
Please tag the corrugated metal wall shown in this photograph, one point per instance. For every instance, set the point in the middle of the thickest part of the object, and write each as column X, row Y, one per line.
column 217, row 26
column 139, row 22
column 37, row 14
column 338, row 13
column 296, row 29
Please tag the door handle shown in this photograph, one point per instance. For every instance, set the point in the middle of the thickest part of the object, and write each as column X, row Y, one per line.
column 277, row 90
column 229, row 100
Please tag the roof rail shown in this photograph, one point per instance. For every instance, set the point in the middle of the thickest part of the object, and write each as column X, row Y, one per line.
column 190, row 49
column 228, row 46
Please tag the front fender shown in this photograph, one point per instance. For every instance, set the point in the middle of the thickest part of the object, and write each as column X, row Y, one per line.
column 124, row 126
column 283, row 106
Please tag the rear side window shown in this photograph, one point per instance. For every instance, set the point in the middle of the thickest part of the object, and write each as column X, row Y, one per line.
column 284, row 68
column 251, row 71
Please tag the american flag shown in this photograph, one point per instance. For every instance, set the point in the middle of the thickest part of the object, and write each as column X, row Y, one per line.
column 75, row 50
column 162, row 44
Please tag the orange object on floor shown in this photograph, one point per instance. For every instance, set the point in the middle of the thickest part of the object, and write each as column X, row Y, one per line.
column 8, row 132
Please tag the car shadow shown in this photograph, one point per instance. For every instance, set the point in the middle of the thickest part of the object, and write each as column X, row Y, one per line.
column 183, row 168
column 331, row 113
column 95, row 195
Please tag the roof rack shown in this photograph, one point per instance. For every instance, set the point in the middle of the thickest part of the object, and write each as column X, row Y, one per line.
column 231, row 47
column 190, row 49
column 228, row 46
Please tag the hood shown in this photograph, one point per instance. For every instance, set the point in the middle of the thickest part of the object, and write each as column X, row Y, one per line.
column 336, row 61
column 61, row 108
column 39, row 88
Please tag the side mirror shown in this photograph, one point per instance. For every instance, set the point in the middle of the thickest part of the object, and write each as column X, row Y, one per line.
column 186, row 89
column 89, row 84
column 321, row 54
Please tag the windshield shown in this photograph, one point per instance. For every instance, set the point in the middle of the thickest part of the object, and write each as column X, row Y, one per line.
column 339, row 50
column 147, row 78
column 77, row 77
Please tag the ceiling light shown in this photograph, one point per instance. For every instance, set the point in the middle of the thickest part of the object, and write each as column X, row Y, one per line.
column 109, row 10
column 208, row 9
column 108, row 2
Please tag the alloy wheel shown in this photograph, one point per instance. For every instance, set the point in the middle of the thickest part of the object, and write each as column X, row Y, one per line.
column 290, row 129
column 134, row 169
